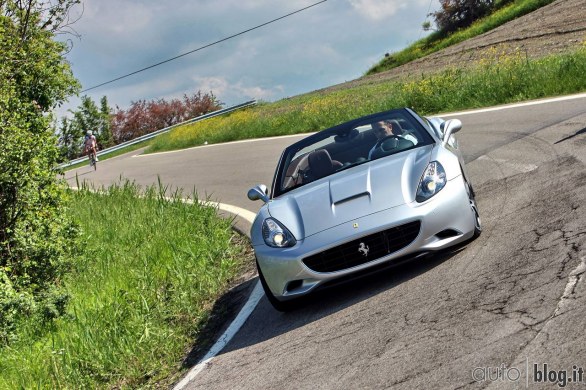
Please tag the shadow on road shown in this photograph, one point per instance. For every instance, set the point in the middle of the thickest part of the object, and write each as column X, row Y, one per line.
column 320, row 304
column 332, row 299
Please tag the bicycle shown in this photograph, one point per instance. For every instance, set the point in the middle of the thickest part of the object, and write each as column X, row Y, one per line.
column 93, row 162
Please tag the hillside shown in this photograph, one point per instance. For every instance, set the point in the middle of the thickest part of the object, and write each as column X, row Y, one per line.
column 555, row 28
column 558, row 28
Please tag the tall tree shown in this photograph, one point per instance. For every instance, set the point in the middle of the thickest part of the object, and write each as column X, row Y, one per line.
column 69, row 140
column 105, row 138
column 87, row 117
column 35, row 236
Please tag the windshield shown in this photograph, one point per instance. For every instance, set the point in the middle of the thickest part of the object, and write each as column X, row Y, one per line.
column 346, row 146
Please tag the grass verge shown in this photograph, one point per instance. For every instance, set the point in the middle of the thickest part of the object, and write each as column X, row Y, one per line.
column 147, row 276
column 496, row 79
column 438, row 40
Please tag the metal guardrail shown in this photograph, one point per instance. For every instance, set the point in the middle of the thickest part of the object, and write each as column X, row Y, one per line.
column 158, row 132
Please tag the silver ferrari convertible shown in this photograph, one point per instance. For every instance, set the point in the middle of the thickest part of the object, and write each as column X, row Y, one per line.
column 373, row 191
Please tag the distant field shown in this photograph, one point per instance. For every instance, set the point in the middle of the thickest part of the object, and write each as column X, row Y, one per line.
column 496, row 79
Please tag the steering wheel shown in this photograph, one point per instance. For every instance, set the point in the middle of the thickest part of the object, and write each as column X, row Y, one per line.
column 384, row 145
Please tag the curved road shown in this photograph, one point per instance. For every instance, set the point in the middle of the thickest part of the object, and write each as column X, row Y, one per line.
column 510, row 300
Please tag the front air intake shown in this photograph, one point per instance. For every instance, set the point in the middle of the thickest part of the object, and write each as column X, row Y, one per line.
column 448, row 233
column 364, row 249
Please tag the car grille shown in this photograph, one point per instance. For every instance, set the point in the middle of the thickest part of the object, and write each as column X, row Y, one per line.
column 379, row 244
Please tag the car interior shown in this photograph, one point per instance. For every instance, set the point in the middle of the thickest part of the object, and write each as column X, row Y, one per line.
column 349, row 147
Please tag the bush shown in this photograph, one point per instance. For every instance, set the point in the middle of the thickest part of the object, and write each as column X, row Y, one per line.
column 456, row 14
column 145, row 117
column 36, row 239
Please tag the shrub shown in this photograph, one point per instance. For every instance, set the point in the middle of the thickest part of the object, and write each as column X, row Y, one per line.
column 35, row 236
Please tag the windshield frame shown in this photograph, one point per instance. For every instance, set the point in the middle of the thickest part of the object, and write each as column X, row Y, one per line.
column 344, row 128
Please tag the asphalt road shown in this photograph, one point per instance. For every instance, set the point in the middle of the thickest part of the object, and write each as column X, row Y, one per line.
column 506, row 302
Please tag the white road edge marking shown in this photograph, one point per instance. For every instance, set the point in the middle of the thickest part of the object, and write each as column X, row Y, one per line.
column 243, row 141
column 516, row 105
column 234, row 327
column 573, row 280
column 247, row 309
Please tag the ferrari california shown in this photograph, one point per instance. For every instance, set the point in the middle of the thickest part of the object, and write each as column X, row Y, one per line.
column 372, row 191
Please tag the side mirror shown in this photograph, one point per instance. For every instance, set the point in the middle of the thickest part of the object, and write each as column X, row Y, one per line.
column 450, row 127
column 259, row 192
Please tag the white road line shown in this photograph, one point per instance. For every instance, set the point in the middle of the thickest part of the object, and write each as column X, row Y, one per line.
column 240, row 319
column 234, row 327
column 225, row 144
column 516, row 105
column 512, row 164
column 573, row 280
column 248, row 215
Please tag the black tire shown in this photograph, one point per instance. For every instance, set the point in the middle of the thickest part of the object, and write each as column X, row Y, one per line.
column 282, row 306
column 474, row 207
column 93, row 162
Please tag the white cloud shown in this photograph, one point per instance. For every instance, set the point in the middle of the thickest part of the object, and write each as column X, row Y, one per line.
column 123, row 17
column 378, row 10
column 221, row 87
column 329, row 43
column 218, row 85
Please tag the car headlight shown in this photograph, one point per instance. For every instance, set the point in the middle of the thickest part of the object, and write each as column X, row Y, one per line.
column 276, row 235
column 432, row 181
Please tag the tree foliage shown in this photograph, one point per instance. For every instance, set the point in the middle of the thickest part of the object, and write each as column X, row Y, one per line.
column 87, row 116
column 455, row 14
column 145, row 117
column 35, row 237
column 105, row 138
column 69, row 141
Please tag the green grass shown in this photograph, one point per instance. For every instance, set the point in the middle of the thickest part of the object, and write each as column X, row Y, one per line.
column 148, row 274
column 438, row 40
column 496, row 79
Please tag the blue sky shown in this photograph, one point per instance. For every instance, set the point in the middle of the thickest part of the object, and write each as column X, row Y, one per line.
column 330, row 43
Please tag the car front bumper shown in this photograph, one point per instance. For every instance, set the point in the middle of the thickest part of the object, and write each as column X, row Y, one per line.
column 447, row 213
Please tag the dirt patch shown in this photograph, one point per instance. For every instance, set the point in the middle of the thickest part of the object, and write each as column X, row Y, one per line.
column 556, row 28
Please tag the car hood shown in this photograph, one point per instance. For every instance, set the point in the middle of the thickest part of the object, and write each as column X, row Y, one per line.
column 350, row 194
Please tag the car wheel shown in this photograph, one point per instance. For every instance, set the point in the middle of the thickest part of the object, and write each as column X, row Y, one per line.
column 282, row 306
column 474, row 207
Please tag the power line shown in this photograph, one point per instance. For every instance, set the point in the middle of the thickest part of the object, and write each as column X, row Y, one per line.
column 203, row 47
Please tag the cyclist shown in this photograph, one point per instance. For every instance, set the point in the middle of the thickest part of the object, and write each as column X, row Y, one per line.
column 90, row 144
